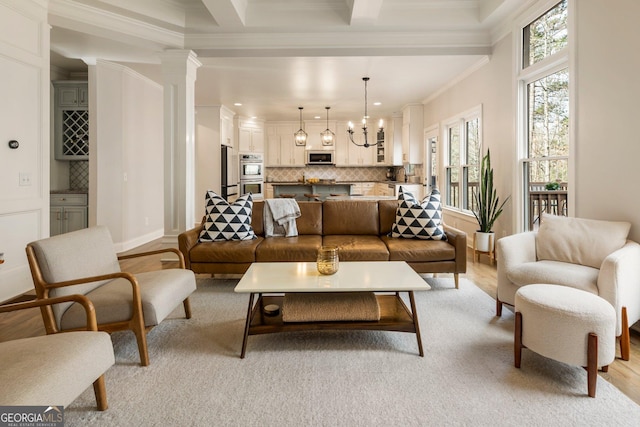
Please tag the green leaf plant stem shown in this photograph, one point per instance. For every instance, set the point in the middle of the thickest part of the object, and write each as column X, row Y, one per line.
column 487, row 200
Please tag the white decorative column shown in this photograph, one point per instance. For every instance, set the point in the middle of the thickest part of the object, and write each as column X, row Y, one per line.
column 179, row 71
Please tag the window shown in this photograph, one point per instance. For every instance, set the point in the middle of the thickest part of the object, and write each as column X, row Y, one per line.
column 462, row 170
column 544, row 119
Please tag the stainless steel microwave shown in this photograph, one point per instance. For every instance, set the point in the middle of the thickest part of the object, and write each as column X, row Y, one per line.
column 324, row 157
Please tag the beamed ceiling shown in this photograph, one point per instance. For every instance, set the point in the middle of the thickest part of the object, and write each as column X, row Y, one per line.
column 275, row 55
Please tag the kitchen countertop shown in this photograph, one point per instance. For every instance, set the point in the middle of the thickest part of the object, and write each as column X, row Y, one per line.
column 81, row 191
column 341, row 183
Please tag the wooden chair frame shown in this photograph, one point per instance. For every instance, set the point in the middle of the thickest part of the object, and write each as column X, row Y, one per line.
column 136, row 324
column 99, row 384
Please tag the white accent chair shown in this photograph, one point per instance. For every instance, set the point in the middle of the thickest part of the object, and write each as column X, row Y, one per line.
column 55, row 369
column 85, row 262
column 590, row 255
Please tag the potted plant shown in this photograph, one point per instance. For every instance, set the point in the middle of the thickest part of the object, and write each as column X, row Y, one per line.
column 488, row 207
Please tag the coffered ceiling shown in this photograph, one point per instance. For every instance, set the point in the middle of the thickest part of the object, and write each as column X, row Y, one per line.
column 275, row 55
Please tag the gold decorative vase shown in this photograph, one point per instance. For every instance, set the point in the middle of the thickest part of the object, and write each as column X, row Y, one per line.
column 328, row 260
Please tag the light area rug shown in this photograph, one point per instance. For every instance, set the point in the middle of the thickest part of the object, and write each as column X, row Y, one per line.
column 345, row 378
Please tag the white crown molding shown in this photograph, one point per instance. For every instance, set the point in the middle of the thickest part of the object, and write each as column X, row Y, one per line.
column 457, row 79
column 80, row 17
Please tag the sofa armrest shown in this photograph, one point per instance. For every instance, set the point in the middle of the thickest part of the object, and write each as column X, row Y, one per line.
column 458, row 239
column 619, row 282
column 186, row 241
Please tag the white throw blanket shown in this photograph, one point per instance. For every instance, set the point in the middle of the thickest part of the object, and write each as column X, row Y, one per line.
column 279, row 217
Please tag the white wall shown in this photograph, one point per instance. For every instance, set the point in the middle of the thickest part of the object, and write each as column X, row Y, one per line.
column 129, row 155
column 491, row 85
column 207, row 162
column 24, row 116
column 607, row 148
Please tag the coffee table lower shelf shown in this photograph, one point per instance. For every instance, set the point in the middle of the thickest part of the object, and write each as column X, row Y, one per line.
column 394, row 316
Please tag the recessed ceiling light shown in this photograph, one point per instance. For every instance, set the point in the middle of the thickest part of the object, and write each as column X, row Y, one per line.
column 377, row 103
column 317, row 117
column 237, row 104
column 254, row 117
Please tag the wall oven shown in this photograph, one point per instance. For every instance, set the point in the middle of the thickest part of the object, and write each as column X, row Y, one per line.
column 256, row 188
column 252, row 174
column 251, row 166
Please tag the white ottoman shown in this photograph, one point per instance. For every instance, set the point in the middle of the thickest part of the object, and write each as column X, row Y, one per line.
column 567, row 325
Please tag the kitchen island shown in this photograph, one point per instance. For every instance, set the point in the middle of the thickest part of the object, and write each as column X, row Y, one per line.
column 299, row 189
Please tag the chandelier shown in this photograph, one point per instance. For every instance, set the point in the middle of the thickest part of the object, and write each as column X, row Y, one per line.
column 301, row 135
column 327, row 137
column 365, row 129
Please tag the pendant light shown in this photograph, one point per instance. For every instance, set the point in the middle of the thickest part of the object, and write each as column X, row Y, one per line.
column 365, row 129
column 327, row 137
column 301, row 135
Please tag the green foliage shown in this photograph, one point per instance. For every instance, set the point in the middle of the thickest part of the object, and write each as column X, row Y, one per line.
column 552, row 186
column 487, row 200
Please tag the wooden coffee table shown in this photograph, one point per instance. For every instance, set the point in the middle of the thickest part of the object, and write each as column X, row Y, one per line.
column 386, row 277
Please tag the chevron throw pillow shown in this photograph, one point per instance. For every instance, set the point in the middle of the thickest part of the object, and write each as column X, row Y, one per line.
column 227, row 221
column 416, row 220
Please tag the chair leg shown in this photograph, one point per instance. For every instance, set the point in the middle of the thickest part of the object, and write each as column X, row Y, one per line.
column 456, row 279
column 592, row 364
column 517, row 341
column 101, row 393
column 625, row 338
column 141, row 337
column 498, row 307
column 187, row 308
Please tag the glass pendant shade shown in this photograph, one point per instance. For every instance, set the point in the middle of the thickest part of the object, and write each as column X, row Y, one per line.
column 300, row 135
column 327, row 137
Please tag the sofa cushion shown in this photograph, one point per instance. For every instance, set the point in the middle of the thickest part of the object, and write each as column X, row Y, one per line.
column 555, row 273
column 161, row 291
column 226, row 252
column 387, row 211
column 301, row 248
column 419, row 220
column 578, row 240
column 358, row 247
column 227, row 221
column 349, row 217
column 416, row 250
column 309, row 222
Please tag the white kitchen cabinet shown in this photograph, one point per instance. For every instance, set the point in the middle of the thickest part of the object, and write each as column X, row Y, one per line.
column 250, row 136
column 68, row 213
column 412, row 134
column 226, row 127
column 365, row 188
column 71, row 120
column 72, row 94
column 359, row 155
column 281, row 149
column 383, row 189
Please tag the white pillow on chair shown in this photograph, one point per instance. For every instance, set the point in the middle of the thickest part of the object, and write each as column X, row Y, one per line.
column 578, row 240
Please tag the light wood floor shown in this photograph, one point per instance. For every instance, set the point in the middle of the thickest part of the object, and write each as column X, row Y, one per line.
column 624, row 375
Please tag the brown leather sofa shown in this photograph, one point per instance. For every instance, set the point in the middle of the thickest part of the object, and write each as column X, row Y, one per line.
column 358, row 227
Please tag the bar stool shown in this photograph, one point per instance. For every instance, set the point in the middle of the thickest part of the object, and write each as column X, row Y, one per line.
column 287, row 196
column 312, row 197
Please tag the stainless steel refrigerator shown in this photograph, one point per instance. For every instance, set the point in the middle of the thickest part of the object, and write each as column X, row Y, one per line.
column 229, row 173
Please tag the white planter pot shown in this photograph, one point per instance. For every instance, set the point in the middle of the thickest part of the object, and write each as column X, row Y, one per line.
column 484, row 241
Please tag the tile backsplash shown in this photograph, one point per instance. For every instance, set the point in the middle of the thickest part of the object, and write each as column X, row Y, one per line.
column 329, row 172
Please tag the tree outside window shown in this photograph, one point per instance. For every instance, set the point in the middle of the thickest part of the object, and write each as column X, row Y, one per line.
column 463, row 138
column 546, row 103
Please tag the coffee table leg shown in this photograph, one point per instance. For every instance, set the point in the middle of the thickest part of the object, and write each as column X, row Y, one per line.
column 246, row 326
column 415, row 322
